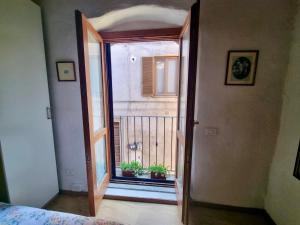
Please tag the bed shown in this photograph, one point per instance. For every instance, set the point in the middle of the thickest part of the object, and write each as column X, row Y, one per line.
column 23, row 215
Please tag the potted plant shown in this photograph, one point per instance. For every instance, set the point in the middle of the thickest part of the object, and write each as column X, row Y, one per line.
column 131, row 169
column 158, row 172
column 137, row 167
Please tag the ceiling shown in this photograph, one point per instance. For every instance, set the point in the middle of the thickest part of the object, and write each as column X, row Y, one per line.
column 140, row 17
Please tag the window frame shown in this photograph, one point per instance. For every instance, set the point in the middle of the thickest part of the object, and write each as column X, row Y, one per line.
column 165, row 94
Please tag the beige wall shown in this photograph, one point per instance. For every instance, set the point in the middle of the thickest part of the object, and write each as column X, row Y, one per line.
column 283, row 197
column 232, row 167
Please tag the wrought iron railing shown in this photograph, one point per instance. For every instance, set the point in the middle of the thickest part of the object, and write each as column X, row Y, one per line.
column 148, row 139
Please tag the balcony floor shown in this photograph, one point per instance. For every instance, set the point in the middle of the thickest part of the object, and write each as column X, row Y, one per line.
column 141, row 193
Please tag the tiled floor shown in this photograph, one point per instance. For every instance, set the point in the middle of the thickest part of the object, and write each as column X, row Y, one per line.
column 128, row 213
column 134, row 213
column 71, row 204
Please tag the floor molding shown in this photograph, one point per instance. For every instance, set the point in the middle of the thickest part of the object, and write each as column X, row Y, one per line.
column 145, row 200
column 228, row 207
column 74, row 193
column 269, row 218
column 50, row 201
column 249, row 210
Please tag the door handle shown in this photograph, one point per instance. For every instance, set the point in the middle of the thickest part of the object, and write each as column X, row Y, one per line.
column 196, row 122
column 49, row 114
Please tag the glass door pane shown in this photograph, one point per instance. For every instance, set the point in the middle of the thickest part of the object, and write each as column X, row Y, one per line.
column 172, row 75
column 180, row 165
column 160, row 77
column 183, row 81
column 95, row 64
column 100, row 155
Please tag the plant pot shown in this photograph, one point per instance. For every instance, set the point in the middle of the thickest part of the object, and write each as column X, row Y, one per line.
column 128, row 173
column 159, row 176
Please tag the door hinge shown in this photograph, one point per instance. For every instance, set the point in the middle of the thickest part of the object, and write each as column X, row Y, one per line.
column 49, row 113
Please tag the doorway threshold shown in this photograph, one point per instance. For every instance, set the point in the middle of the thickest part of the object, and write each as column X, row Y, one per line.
column 141, row 193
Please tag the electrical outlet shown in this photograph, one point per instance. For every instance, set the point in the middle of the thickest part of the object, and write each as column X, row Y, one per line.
column 77, row 187
column 69, row 172
column 210, row 131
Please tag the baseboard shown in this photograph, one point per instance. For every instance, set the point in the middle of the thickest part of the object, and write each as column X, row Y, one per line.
column 228, row 207
column 74, row 193
column 269, row 218
column 50, row 201
column 248, row 210
column 145, row 200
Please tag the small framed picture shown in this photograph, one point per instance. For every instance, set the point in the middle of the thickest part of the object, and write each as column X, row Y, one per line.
column 66, row 71
column 241, row 67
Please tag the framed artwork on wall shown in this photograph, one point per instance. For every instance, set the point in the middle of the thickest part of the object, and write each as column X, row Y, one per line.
column 66, row 71
column 297, row 164
column 241, row 67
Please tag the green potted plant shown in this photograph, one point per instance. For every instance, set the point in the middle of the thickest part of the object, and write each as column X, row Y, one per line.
column 158, row 172
column 137, row 167
column 131, row 169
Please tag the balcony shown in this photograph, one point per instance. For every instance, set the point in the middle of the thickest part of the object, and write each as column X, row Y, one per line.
column 149, row 140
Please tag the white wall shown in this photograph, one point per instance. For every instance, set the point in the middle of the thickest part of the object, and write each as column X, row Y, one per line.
column 25, row 132
column 283, row 198
column 232, row 167
column 61, row 44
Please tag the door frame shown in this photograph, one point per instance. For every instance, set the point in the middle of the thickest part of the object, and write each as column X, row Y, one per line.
column 192, row 22
column 4, row 194
column 174, row 34
column 95, row 194
column 165, row 34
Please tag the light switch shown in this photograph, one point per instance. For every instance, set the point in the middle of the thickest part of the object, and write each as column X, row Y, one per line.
column 210, row 131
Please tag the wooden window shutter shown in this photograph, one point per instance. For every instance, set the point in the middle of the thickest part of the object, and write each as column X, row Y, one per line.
column 147, row 76
column 117, row 143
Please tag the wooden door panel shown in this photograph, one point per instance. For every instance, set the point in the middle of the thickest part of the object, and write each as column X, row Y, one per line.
column 94, row 96
column 186, row 107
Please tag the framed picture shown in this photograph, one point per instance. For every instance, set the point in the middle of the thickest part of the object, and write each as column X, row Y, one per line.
column 241, row 67
column 66, row 71
column 297, row 164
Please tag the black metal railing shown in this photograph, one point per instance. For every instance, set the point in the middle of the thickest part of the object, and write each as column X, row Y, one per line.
column 147, row 139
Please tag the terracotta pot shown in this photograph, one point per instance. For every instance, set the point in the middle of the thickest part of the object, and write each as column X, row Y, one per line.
column 160, row 176
column 128, row 173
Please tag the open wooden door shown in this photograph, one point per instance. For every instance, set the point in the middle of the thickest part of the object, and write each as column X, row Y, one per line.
column 186, row 107
column 94, row 97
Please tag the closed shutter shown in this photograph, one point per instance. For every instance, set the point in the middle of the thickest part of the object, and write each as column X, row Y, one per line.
column 117, row 143
column 147, row 76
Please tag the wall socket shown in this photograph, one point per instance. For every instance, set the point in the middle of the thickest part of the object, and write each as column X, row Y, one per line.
column 69, row 172
column 77, row 187
column 210, row 131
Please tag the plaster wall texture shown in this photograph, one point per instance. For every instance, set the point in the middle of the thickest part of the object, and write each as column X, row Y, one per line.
column 232, row 167
column 283, row 197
